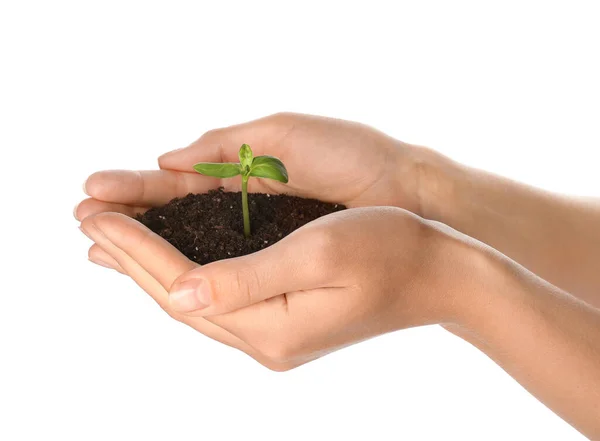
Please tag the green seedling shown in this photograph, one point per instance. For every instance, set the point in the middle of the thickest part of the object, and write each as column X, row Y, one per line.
column 260, row 166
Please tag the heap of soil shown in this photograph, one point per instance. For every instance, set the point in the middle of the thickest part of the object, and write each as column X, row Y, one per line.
column 209, row 227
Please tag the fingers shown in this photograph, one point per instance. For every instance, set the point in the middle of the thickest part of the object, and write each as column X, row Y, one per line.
column 111, row 231
column 124, row 231
column 154, row 265
column 100, row 257
column 146, row 188
column 222, row 145
column 177, row 178
column 231, row 284
column 130, row 240
column 90, row 206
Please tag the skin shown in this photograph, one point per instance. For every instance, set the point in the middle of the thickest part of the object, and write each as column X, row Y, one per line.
column 509, row 268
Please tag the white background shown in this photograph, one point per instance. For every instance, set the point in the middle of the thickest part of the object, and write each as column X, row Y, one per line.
column 512, row 87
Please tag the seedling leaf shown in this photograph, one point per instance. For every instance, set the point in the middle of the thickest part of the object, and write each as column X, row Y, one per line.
column 246, row 156
column 261, row 167
column 269, row 167
column 218, row 169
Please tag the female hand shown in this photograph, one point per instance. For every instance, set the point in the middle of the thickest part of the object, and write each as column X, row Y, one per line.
column 338, row 280
column 351, row 275
column 327, row 159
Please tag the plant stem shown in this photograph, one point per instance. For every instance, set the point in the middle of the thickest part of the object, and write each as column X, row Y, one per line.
column 245, row 206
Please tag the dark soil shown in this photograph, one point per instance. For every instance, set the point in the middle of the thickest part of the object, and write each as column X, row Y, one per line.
column 209, row 227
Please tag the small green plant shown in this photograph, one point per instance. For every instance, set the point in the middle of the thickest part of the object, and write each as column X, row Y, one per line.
column 260, row 166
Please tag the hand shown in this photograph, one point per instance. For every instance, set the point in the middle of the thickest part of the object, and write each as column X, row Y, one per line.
column 327, row 159
column 338, row 280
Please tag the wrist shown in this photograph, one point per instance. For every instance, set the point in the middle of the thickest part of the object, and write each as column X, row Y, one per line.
column 473, row 278
column 435, row 180
column 491, row 288
column 449, row 264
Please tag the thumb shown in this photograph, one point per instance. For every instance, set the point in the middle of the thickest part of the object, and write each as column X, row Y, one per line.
column 291, row 264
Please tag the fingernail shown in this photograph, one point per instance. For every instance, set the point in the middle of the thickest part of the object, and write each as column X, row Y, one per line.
column 101, row 263
column 84, row 186
column 86, row 233
column 174, row 151
column 75, row 211
column 164, row 155
column 93, row 232
column 190, row 295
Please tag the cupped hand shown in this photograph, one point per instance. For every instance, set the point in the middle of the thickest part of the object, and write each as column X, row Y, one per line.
column 327, row 159
column 340, row 279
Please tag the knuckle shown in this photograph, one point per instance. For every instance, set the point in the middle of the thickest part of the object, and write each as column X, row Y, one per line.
column 277, row 351
column 174, row 315
column 242, row 288
column 140, row 183
column 212, row 134
column 281, row 116
column 277, row 367
column 279, row 348
column 180, row 184
column 322, row 243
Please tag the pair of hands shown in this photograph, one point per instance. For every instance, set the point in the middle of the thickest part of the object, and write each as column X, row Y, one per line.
column 343, row 278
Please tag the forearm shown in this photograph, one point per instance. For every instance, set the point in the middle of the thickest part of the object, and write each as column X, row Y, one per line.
column 554, row 236
column 543, row 337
